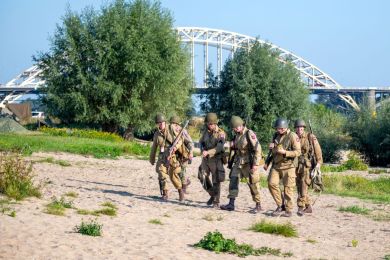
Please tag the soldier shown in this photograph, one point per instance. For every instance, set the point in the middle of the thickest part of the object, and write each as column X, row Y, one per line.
column 285, row 151
column 310, row 158
column 188, row 150
column 212, row 147
column 163, row 138
column 247, row 159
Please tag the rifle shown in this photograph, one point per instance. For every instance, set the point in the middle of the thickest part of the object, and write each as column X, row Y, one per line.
column 174, row 143
column 269, row 156
column 311, row 150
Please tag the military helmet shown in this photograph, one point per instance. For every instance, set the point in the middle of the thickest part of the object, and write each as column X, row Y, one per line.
column 211, row 118
column 160, row 118
column 281, row 123
column 299, row 123
column 236, row 121
column 174, row 120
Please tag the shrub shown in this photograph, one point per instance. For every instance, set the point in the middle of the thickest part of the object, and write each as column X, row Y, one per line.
column 287, row 230
column 16, row 178
column 90, row 229
column 85, row 133
column 214, row 241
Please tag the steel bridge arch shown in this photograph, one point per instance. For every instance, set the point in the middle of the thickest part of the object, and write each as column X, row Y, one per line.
column 312, row 76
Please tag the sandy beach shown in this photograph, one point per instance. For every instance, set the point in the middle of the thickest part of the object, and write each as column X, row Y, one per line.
column 132, row 186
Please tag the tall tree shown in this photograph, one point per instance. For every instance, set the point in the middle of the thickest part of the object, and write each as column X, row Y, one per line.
column 116, row 67
column 255, row 85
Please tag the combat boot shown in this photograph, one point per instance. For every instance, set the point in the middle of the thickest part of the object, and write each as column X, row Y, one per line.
column 308, row 209
column 210, row 201
column 230, row 206
column 181, row 194
column 287, row 214
column 258, row 207
column 300, row 211
column 277, row 211
column 283, row 207
column 165, row 195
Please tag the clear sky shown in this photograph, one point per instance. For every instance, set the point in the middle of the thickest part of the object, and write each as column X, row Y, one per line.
column 347, row 39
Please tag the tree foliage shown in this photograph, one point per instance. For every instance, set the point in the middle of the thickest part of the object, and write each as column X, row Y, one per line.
column 116, row 67
column 255, row 85
column 370, row 132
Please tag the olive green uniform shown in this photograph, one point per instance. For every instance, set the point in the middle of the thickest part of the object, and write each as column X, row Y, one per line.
column 244, row 144
column 283, row 167
column 163, row 140
column 212, row 142
column 309, row 147
column 189, row 144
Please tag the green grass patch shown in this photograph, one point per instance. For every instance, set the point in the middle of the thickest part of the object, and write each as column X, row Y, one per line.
column 16, row 177
column 57, row 207
column 214, row 241
column 386, row 257
column 356, row 186
column 93, row 228
column 354, row 163
column 109, row 205
column 6, row 209
column 27, row 144
column 354, row 242
column 106, row 211
column 71, row 194
column 84, row 133
column 155, row 221
column 87, row 212
column 269, row 227
column 53, row 161
column 355, row 210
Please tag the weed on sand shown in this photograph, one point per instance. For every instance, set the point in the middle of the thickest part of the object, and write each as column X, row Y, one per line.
column 287, row 230
column 57, row 207
column 155, row 221
column 355, row 210
column 91, row 228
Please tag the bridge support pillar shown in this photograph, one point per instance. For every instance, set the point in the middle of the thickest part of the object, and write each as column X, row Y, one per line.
column 371, row 99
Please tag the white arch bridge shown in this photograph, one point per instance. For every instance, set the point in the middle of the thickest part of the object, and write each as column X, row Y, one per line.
column 314, row 78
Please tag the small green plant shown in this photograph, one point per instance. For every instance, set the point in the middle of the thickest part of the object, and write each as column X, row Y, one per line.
column 53, row 161
column 354, row 242
column 106, row 211
column 312, row 241
column 355, row 162
column 57, row 207
column 386, row 257
column 93, row 228
column 214, row 241
column 109, row 205
column 16, row 178
column 220, row 218
column 287, row 230
column 166, row 215
column 71, row 194
column 155, row 221
column 12, row 214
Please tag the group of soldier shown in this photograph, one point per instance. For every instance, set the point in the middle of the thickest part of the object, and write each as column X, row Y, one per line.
column 291, row 157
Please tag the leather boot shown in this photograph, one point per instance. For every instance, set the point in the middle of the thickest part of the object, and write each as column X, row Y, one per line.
column 277, row 211
column 258, row 207
column 181, row 194
column 300, row 211
column 165, row 195
column 283, row 207
column 287, row 214
column 230, row 206
column 210, row 201
column 308, row 209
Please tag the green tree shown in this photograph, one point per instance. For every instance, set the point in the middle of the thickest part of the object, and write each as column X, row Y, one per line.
column 255, row 85
column 116, row 67
column 370, row 132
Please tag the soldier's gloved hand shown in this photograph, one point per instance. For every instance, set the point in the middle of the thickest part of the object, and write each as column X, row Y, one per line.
column 205, row 154
column 271, row 146
column 281, row 151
